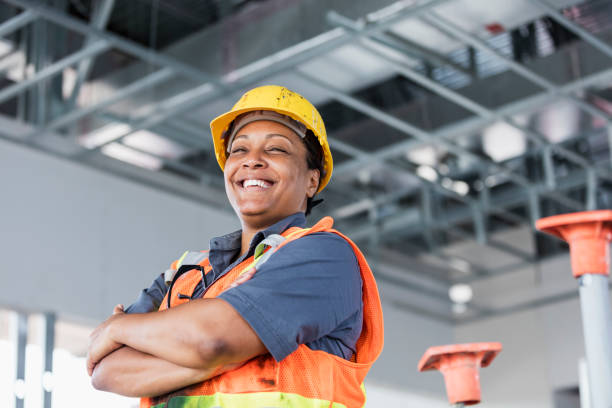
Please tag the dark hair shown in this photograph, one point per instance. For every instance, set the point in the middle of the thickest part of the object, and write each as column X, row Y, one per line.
column 314, row 161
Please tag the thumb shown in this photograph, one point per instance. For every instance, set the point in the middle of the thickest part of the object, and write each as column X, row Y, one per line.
column 244, row 277
column 118, row 309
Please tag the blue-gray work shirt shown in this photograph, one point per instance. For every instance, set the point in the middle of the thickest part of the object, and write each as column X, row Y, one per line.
column 308, row 292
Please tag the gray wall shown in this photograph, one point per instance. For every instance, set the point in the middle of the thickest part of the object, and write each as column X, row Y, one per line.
column 78, row 241
column 407, row 336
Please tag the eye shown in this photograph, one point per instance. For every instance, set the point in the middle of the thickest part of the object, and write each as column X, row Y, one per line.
column 277, row 149
column 238, row 149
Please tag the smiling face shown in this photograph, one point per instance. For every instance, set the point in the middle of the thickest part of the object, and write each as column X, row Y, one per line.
column 266, row 175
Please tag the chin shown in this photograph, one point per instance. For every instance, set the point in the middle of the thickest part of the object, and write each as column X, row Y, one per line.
column 252, row 211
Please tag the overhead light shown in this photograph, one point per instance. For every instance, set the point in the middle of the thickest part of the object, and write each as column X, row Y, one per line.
column 364, row 177
column 501, row 141
column 69, row 77
column 19, row 389
column 5, row 47
column 491, row 181
column 47, row 381
column 460, row 265
column 426, row 155
column 427, row 173
column 559, row 121
column 460, row 293
column 447, row 183
column 129, row 155
column 104, row 134
column 460, row 187
column 155, row 144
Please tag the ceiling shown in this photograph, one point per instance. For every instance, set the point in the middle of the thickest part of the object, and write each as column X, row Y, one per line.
column 454, row 124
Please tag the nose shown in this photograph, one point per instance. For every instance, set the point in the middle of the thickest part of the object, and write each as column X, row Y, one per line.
column 253, row 161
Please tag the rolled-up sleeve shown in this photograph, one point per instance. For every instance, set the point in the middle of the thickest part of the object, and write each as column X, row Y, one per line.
column 305, row 291
column 149, row 299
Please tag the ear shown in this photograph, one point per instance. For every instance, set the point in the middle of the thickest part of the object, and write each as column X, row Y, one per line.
column 313, row 182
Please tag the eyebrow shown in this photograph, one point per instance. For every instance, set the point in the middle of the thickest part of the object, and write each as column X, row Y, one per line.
column 268, row 136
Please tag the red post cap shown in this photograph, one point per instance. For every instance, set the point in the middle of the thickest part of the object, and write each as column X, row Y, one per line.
column 588, row 234
column 459, row 363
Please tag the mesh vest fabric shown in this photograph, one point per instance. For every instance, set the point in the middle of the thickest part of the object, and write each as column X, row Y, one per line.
column 306, row 378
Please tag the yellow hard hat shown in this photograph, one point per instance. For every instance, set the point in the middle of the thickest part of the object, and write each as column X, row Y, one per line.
column 281, row 100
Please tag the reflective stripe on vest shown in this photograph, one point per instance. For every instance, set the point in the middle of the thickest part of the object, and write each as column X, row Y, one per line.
column 188, row 258
column 304, row 379
column 265, row 249
column 248, row 400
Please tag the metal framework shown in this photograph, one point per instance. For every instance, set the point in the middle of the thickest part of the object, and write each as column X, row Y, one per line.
column 374, row 35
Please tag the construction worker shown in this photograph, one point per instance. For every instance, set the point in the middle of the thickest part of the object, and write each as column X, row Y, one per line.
column 273, row 315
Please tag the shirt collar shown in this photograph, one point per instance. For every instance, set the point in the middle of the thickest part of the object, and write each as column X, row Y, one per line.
column 232, row 240
column 224, row 249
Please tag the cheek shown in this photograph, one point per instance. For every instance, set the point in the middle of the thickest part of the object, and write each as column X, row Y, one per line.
column 227, row 175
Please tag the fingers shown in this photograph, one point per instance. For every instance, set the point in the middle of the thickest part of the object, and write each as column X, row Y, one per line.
column 244, row 277
column 118, row 309
column 90, row 366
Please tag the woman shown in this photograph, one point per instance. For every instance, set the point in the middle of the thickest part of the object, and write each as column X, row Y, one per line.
column 273, row 315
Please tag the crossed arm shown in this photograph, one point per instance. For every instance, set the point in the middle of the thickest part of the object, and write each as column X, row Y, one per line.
column 154, row 353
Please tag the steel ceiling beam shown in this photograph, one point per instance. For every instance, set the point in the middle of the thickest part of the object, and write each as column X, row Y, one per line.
column 290, row 57
column 412, row 130
column 99, row 20
column 51, row 14
column 474, row 124
column 397, row 42
column 449, row 28
column 387, row 119
column 576, row 29
column 149, row 81
column 55, row 68
column 394, row 40
column 505, row 201
column 15, row 23
column 474, row 205
column 173, row 164
column 461, row 100
column 164, row 110
column 253, row 73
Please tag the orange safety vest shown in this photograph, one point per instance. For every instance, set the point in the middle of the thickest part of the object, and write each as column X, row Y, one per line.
column 304, row 379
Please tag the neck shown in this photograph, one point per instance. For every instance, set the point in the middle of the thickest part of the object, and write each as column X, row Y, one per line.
column 249, row 229
column 247, row 237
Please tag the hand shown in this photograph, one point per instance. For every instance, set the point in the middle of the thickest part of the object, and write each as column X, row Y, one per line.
column 118, row 309
column 245, row 276
column 101, row 343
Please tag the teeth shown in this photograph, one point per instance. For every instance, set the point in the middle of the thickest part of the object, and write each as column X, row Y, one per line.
column 259, row 183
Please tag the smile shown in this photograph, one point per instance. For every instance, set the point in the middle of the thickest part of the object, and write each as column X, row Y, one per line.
column 256, row 184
